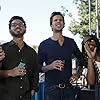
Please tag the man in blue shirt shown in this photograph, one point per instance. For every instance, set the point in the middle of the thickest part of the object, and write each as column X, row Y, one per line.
column 56, row 52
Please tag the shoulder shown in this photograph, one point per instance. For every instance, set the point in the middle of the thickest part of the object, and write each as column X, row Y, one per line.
column 31, row 48
column 69, row 39
column 6, row 45
column 45, row 42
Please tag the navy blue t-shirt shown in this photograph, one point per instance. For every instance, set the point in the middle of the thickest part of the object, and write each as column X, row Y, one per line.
column 50, row 50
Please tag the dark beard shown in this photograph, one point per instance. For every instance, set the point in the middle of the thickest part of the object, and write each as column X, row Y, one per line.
column 17, row 35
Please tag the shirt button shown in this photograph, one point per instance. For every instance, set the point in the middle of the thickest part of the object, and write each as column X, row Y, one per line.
column 21, row 87
column 21, row 78
column 19, row 50
column 20, row 96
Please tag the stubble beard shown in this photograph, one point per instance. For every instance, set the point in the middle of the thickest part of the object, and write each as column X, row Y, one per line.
column 17, row 34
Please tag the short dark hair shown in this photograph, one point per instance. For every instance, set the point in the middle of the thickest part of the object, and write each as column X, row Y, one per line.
column 16, row 17
column 54, row 14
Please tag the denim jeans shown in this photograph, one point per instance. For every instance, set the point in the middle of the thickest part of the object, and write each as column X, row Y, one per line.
column 97, row 92
column 56, row 93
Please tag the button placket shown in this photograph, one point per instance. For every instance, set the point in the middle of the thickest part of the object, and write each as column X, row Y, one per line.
column 20, row 96
column 21, row 78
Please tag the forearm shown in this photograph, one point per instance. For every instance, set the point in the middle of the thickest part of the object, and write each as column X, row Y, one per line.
column 90, row 72
column 46, row 68
column 4, row 73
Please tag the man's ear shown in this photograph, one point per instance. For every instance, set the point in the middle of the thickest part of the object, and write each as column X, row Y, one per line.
column 25, row 31
column 51, row 27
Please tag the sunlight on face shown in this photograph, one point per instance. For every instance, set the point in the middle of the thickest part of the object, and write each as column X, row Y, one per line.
column 57, row 23
column 92, row 44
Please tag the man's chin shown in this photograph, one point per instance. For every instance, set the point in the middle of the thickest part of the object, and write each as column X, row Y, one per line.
column 17, row 35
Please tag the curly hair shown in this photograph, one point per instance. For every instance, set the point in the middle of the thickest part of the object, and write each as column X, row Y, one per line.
column 14, row 18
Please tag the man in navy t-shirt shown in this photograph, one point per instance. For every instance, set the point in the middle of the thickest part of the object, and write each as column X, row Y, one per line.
column 56, row 52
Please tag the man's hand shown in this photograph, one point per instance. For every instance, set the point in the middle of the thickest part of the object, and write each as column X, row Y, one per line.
column 91, row 54
column 32, row 92
column 16, row 72
column 57, row 64
column 74, row 78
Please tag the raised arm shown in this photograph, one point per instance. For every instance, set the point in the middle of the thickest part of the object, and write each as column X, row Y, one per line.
column 90, row 64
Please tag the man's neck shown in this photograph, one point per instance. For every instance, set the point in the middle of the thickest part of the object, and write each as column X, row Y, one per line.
column 58, row 37
column 19, row 42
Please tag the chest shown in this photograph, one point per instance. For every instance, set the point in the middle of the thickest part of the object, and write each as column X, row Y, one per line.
column 56, row 50
column 13, row 56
